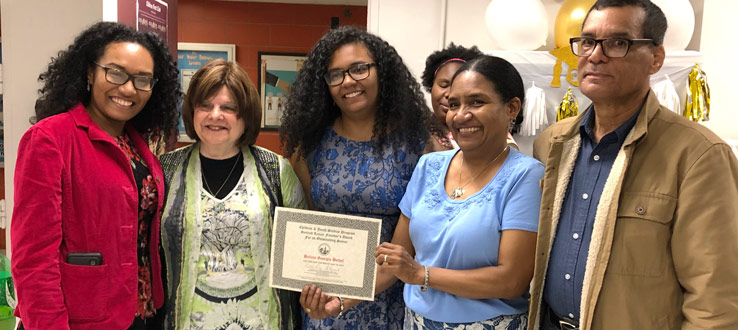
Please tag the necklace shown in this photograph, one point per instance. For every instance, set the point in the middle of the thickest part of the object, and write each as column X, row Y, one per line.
column 224, row 182
column 459, row 190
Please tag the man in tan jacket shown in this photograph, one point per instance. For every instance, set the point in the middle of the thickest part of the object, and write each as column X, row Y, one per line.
column 639, row 216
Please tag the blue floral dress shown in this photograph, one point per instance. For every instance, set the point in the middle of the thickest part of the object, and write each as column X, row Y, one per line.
column 349, row 177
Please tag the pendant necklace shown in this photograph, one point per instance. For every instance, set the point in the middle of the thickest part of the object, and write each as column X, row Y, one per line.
column 226, row 180
column 459, row 190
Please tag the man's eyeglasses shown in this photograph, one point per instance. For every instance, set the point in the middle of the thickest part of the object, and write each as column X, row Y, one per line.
column 118, row 77
column 358, row 71
column 611, row 47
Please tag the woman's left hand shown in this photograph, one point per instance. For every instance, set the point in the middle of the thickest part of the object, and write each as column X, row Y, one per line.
column 395, row 260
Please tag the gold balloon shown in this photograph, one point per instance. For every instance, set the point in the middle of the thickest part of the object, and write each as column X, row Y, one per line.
column 569, row 20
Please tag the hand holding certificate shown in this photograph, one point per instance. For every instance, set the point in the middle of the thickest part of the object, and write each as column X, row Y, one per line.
column 333, row 251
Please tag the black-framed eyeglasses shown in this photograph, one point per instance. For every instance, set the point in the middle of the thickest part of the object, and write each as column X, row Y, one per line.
column 611, row 47
column 358, row 71
column 118, row 77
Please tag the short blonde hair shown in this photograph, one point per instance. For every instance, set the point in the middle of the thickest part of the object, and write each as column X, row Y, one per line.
column 208, row 80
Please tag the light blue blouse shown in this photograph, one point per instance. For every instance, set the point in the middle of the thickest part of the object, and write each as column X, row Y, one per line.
column 465, row 234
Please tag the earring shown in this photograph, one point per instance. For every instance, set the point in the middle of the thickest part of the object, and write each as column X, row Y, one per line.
column 88, row 86
column 512, row 125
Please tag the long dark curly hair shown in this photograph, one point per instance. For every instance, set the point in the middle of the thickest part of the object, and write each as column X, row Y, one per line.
column 65, row 80
column 402, row 117
column 436, row 58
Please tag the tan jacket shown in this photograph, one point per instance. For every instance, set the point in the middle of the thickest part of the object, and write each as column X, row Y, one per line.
column 664, row 248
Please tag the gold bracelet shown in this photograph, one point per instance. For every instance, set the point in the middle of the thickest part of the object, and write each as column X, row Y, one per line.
column 424, row 287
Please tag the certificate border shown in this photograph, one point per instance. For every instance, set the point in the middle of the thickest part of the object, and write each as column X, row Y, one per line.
column 283, row 215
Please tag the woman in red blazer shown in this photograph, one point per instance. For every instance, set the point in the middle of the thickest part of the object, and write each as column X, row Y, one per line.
column 88, row 191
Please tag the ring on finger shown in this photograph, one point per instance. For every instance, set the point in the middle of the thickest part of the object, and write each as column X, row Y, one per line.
column 385, row 258
column 308, row 310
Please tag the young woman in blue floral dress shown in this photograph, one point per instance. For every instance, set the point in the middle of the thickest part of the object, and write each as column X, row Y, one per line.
column 355, row 126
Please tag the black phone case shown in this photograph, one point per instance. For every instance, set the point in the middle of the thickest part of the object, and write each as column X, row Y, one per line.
column 84, row 258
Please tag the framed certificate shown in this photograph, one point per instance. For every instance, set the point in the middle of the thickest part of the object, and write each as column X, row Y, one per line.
column 333, row 251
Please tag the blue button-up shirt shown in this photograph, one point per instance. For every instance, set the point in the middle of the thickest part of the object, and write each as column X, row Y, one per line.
column 565, row 275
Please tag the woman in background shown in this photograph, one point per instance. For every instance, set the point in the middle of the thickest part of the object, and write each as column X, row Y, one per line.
column 216, row 226
column 440, row 67
column 88, row 191
column 355, row 125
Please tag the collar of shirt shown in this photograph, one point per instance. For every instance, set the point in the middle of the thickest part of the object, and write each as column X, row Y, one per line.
column 586, row 127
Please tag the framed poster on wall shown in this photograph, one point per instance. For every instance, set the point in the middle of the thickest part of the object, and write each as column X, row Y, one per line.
column 277, row 72
column 190, row 58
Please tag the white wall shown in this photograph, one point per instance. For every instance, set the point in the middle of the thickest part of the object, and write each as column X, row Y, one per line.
column 719, row 47
column 33, row 32
column 413, row 27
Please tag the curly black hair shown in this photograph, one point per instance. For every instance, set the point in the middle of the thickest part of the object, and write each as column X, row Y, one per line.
column 435, row 59
column 65, row 80
column 402, row 117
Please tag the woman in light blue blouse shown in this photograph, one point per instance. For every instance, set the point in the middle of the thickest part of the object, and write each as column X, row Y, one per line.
column 465, row 242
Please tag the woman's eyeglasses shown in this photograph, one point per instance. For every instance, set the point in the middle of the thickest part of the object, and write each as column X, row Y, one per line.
column 358, row 71
column 118, row 77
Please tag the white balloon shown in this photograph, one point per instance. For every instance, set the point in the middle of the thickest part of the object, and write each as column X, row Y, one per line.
column 517, row 24
column 680, row 19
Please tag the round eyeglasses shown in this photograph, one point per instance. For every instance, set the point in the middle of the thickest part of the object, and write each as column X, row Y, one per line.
column 118, row 77
column 611, row 47
column 357, row 71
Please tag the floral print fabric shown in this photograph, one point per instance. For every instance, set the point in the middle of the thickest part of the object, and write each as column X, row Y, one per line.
column 147, row 198
column 349, row 177
column 414, row 321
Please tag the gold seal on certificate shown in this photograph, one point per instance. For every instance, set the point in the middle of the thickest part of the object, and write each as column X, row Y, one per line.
column 333, row 251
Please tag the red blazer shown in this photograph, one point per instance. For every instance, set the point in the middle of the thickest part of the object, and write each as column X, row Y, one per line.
column 75, row 192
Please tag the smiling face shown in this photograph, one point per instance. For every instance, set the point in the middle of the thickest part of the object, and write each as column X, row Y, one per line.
column 111, row 105
column 477, row 116
column 604, row 79
column 354, row 97
column 217, row 124
column 440, row 88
